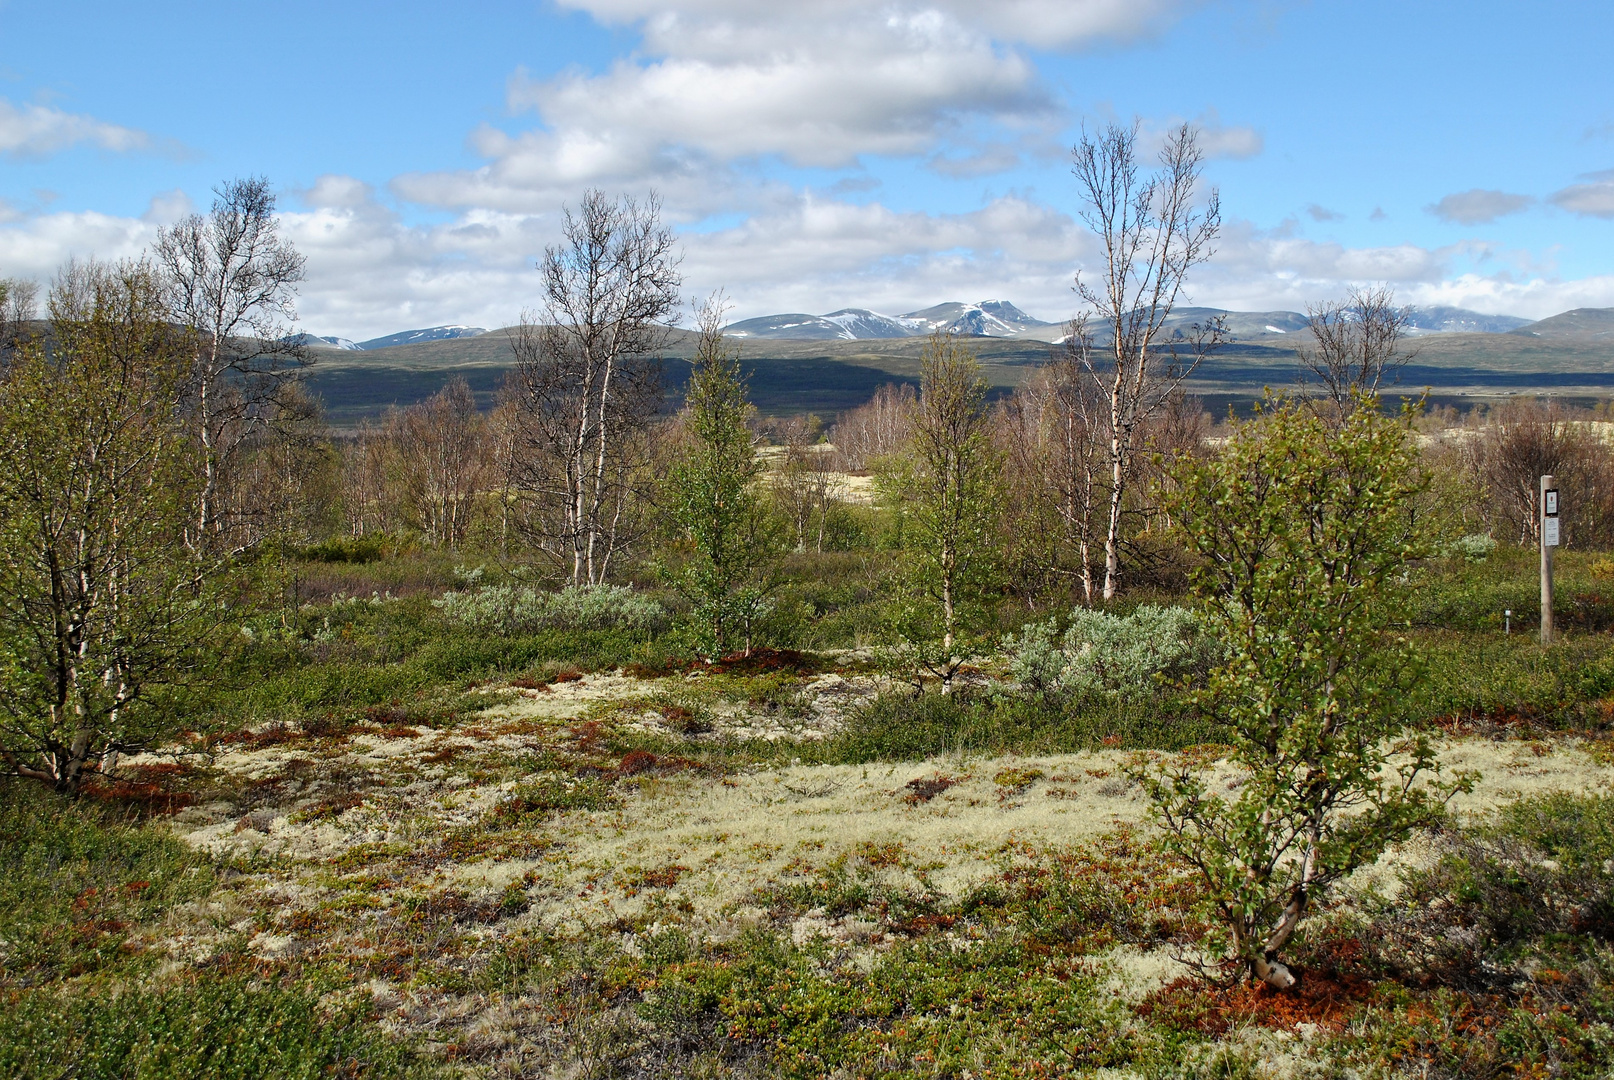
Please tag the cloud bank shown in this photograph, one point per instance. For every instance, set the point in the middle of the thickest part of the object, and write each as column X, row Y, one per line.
column 1478, row 206
column 35, row 131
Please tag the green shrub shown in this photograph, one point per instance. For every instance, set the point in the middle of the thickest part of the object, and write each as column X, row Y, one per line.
column 369, row 548
column 515, row 608
column 77, row 881
column 1535, row 886
column 1509, row 934
column 1115, row 656
column 903, row 726
column 220, row 1028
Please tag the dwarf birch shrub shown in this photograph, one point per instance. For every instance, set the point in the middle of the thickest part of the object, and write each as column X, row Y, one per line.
column 1120, row 657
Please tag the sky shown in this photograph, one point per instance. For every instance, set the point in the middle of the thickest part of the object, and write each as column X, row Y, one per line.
column 823, row 153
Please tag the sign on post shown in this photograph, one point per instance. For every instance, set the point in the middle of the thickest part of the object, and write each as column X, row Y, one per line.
column 1550, row 538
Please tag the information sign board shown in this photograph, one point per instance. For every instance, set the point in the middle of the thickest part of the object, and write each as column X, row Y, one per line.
column 1549, row 532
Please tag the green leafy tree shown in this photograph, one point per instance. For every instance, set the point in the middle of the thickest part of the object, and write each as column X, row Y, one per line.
column 716, row 500
column 1302, row 526
column 945, row 488
column 101, row 601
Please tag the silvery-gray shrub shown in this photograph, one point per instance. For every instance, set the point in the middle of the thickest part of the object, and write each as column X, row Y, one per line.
column 1120, row 657
column 515, row 608
column 1475, row 547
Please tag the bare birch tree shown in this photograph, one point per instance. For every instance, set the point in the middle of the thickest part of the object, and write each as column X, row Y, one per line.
column 365, row 464
column 803, row 480
column 504, row 442
column 1153, row 234
column 875, row 429
column 1356, row 344
column 16, row 311
column 1057, row 430
column 588, row 376
column 231, row 282
column 440, row 461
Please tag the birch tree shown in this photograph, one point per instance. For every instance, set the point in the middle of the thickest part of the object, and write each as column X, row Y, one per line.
column 1356, row 345
column 439, row 461
column 101, row 603
column 16, row 311
column 716, row 500
column 803, row 480
column 946, row 486
column 1056, row 427
column 1153, row 233
column 1301, row 528
column 588, row 378
column 231, row 281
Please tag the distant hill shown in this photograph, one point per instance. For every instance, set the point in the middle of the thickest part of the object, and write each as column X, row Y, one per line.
column 1451, row 320
column 1241, row 325
column 1001, row 319
column 415, row 337
column 1570, row 356
column 1583, row 323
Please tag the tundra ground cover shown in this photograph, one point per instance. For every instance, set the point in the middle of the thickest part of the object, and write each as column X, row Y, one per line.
column 403, row 849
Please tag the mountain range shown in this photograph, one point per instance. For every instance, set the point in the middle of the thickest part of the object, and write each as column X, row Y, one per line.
column 403, row 337
column 1002, row 319
column 988, row 318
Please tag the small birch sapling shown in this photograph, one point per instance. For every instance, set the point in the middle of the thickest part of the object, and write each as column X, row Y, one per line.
column 1303, row 530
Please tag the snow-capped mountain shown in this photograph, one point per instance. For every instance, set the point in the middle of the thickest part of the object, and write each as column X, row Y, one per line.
column 989, row 318
column 797, row 325
column 313, row 342
column 860, row 323
column 847, row 324
column 413, row 337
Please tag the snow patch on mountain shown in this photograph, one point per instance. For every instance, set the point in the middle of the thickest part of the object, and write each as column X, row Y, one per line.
column 414, row 337
column 988, row 318
column 316, row 342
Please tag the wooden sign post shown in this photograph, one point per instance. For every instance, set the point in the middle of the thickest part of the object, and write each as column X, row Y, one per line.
column 1549, row 539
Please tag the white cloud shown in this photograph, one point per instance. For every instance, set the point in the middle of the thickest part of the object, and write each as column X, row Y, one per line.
column 1595, row 198
column 37, row 246
column 1043, row 23
column 167, row 207
column 370, row 272
column 1478, row 206
column 881, row 85
column 31, row 131
column 986, row 160
column 715, row 92
column 1322, row 213
column 1216, row 140
column 1258, row 270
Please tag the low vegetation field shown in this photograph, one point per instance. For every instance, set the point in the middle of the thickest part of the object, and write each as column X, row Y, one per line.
column 393, row 846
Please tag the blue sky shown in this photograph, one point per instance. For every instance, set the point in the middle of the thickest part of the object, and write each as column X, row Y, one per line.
column 826, row 153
